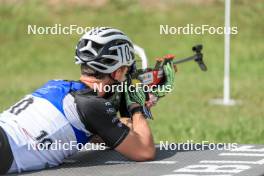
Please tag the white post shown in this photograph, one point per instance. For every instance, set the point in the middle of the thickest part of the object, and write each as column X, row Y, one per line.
column 227, row 54
column 226, row 99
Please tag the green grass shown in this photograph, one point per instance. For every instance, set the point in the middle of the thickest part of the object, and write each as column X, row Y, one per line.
column 28, row 61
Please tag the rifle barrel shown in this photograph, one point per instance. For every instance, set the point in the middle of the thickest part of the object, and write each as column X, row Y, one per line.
column 185, row 59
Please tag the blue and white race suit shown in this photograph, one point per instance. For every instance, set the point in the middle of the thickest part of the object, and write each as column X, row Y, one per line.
column 53, row 114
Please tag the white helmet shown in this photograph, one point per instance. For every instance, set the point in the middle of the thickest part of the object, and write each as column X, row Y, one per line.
column 105, row 50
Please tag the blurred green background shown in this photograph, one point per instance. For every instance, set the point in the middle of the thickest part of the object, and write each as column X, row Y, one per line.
column 28, row 61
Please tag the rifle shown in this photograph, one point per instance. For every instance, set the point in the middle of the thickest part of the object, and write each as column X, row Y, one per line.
column 155, row 76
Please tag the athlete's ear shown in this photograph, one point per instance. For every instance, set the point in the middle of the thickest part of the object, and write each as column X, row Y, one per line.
column 117, row 75
column 114, row 74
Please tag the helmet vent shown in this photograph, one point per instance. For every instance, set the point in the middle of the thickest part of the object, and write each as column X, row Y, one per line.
column 98, row 66
column 107, row 61
column 96, row 46
column 113, row 52
column 87, row 53
column 112, row 33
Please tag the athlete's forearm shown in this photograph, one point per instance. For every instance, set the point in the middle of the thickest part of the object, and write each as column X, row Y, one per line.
column 140, row 127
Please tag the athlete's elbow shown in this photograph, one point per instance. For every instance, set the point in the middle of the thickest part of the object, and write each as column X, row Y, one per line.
column 149, row 155
column 146, row 155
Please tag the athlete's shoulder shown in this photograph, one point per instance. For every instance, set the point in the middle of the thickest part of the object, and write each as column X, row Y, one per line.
column 55, row 90
column 59, row 87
